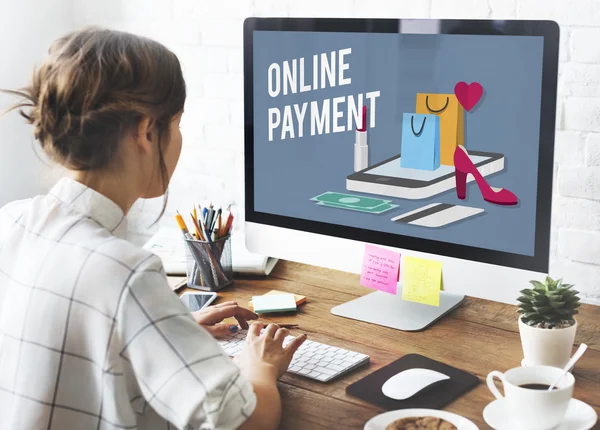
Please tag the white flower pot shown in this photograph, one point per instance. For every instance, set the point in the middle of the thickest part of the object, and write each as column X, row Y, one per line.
column 547, row 347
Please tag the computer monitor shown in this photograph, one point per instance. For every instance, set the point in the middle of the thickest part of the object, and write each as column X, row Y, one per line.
column 452, row 158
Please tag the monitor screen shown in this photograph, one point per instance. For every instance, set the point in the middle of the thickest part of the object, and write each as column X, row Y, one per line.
column 428, row 136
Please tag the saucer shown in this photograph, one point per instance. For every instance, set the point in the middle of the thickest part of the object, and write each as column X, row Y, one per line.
column 579, row 416
column 381, row 421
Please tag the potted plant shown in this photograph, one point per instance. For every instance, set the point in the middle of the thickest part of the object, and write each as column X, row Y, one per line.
column 547, row 324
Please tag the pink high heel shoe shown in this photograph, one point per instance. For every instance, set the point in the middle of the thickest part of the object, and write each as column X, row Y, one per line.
column 464, row 166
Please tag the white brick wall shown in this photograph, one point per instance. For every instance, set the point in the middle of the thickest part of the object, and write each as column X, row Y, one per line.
column 581, row 113
column 593, row 150
column 580, row 246
column 582, row 182
column 584, row 46
column 207, row 37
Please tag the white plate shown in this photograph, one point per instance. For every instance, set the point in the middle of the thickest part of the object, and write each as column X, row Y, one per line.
column 579, row 416
column 381, row 421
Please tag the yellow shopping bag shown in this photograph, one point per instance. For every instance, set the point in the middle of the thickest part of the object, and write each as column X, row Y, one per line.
column 451, row 114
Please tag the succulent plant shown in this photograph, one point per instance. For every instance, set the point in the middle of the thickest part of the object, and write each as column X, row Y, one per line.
column 551, row 304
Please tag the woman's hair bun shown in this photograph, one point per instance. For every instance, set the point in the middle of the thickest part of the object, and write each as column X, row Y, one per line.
column 94, row 86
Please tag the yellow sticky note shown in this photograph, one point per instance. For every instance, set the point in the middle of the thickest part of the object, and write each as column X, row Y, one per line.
column 422, row 280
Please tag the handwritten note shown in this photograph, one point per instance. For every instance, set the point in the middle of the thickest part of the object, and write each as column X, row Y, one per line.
column 422, row 281
column 380, row 269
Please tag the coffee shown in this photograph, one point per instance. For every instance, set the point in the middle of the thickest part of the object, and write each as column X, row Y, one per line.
column 543, row 387
column 527, row 386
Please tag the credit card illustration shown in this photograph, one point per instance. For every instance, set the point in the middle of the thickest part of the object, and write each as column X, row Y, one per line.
column 437, row 215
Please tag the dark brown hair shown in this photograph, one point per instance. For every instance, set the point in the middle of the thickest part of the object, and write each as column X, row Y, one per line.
column 96, row 85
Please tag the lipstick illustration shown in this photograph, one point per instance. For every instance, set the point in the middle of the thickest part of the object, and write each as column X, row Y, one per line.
column 361, row 150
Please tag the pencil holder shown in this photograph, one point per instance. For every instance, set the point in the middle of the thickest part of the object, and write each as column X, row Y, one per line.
column 209, row 266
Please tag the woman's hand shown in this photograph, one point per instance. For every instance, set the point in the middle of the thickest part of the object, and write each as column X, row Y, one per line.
column 264, row 356
column 210, row 318
column 262, row 361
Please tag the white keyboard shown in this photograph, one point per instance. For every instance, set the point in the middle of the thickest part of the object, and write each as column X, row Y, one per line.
column 313, row 359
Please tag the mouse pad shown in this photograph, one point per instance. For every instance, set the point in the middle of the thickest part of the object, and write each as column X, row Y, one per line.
column 433, row 397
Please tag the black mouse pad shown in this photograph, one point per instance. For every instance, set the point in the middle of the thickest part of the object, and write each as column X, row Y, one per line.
column 433, row 397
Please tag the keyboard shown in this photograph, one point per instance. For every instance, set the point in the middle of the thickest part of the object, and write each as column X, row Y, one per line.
column 313, row 360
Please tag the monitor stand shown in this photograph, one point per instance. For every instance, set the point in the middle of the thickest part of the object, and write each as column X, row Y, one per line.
column 391, row 311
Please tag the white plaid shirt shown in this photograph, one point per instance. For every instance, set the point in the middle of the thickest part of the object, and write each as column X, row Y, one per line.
column 91, row 336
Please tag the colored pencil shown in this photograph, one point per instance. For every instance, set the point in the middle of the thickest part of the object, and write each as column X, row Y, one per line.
column 199, row 234
column 182, row 226
column 218, row 222
column 229, row 224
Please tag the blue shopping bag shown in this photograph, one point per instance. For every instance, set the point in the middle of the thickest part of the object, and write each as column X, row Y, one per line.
column 420, row 141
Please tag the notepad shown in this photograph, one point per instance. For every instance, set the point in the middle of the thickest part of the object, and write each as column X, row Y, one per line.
column 299, row 299
column 422, row 280
column 274, row 303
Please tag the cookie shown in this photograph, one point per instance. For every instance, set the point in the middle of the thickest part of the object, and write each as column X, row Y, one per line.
column 420, row 423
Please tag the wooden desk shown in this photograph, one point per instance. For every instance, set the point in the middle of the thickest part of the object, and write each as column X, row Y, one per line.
column 479, row 337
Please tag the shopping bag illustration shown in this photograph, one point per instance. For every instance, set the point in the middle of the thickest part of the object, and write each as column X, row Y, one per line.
column 451, row 114
column 420, row 141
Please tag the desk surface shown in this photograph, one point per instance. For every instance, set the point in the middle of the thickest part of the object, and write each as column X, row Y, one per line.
column 479, row 337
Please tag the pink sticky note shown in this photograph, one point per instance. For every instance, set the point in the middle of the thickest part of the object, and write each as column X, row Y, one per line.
column 380, row 269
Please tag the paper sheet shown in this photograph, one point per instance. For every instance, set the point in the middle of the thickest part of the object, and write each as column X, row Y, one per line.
column 169, row 246
column 422, row 280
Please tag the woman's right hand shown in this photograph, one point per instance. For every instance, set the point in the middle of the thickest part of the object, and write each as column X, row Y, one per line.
column 264, row 355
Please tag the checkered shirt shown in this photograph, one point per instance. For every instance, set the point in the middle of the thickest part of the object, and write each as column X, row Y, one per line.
column 91, row 336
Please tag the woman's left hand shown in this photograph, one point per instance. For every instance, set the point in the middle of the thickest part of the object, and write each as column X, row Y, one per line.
column 210, row 318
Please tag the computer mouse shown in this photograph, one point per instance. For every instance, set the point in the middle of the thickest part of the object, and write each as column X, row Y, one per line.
column 409, row 382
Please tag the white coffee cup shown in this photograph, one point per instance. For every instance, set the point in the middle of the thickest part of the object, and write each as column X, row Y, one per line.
column 529, row 408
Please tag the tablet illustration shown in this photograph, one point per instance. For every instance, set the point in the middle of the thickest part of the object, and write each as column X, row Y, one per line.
column 389, row 179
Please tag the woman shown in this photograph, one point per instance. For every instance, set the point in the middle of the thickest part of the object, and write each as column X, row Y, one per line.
column 91, row 336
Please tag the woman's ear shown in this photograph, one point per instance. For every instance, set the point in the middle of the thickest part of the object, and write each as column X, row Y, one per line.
column 144, row 135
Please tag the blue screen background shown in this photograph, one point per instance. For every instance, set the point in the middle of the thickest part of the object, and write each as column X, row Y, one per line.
column 507, row 119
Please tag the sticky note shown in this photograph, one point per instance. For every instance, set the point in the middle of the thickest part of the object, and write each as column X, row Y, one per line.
column 380, row 269
column 274, row 303
column 299, row 299
column 421, row 281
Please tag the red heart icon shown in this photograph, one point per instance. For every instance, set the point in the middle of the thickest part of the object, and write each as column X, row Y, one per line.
column 468, row 95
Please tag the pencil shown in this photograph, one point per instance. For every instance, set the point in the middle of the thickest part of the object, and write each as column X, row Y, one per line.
column 283, row 325
column 223, row 231
column 199, row 234
column 209, row 217
column 187, row 236
column 202, row 212
column 219, row 223
column 213, row 220
column 229, row 225
column 182, row 226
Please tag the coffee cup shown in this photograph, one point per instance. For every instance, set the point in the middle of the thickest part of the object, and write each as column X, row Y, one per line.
column 528, row 402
